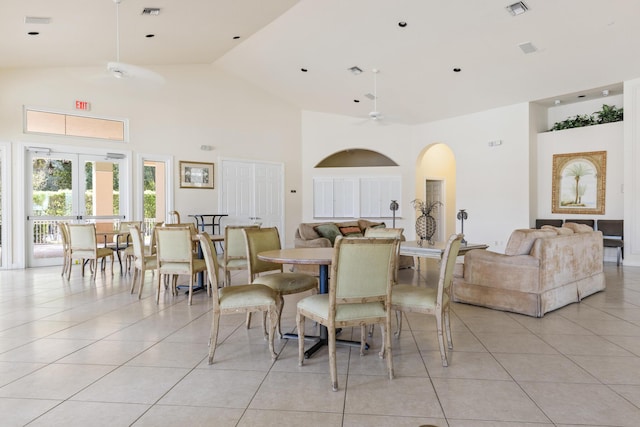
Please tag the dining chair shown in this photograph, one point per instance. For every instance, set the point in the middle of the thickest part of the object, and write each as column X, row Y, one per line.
column 234, row 256
column 83, row 245
column 149, row 249
column 193, row 232
column 174, row 217
column 613, row 235
column 122, row 238
column 362, row 274
column 66, row 247
column 142, row 262
column 174, row 252
column 236, row 299
column 430, row 301
column 385, row 233
column 270, row 273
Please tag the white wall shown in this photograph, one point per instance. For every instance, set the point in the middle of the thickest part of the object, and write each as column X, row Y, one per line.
column 607, row 137
column 196, row 105
column 492, row 182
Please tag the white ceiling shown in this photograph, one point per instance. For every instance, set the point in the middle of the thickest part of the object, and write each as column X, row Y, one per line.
column 584, row 46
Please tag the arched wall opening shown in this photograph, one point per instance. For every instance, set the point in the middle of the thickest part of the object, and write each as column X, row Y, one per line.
column 436, row 164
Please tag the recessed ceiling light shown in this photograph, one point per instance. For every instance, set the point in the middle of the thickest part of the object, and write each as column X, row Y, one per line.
column 402, row 24
column 236, row 37
column 355, row 70
column 149, row 36
column 33, row 33
column 304, row 70
column 582, row 96
column 517, row 8
column 356, row 100
column 457, row 70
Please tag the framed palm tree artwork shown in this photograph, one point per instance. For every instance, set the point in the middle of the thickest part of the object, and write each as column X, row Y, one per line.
column 579, row 182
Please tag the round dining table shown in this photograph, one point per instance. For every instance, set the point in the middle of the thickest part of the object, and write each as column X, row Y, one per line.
column 321, row 257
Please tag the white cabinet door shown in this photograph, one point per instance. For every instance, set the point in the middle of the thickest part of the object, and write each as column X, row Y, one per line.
column 252, row 192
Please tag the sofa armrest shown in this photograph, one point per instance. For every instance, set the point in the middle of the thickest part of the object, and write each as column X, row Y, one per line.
column 321, row 242
column 491, row 269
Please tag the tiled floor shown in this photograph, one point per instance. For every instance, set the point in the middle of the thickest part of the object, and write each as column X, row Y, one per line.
column 86, row 353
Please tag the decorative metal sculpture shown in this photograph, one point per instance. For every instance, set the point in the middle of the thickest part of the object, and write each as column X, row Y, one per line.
column 394, row 206
column 462, row 215
column 425, row 223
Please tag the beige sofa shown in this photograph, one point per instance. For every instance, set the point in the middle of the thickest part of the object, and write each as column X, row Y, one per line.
column 308, row 236
column 540, row 271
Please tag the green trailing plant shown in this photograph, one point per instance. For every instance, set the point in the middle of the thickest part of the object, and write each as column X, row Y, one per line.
column 608, row 114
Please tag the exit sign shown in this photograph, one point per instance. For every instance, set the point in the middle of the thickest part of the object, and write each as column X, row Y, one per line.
column 83, row 105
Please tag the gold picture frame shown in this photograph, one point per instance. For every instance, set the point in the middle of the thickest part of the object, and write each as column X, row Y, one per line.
column 579, row 183
column 196, row 175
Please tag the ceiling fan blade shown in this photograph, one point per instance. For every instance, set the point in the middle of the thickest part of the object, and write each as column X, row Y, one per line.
column 123, row 70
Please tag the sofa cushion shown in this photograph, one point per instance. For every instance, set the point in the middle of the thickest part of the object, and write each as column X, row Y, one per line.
column 365, row 223
column 521, row 241
column 307, row 231
column 560, row 231
column 329, row 231
column 578, row 228
column 353, row 231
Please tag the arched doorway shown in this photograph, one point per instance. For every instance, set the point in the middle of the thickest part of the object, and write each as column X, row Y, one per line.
column 436, row 180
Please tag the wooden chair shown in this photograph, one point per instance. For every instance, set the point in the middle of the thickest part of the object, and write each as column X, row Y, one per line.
column 234, row 256
column 362, row 274
column 613, row 235
column 149, row 249
column 66, row 247
column 83, row 245
column 174, row 217
column 123, row 239
column 434, row 302
column 266, row 239
column 236, row 299
column 174, row 252
column 385, row 233
column 142, row 262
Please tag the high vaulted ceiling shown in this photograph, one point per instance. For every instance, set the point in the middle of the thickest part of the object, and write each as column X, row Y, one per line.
column 582, row 47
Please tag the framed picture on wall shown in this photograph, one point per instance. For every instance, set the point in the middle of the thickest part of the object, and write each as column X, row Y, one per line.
column 196, row 175
column 579, row 182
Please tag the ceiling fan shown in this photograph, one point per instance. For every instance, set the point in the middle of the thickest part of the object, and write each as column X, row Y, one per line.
column 375, row 115
column 122, row 70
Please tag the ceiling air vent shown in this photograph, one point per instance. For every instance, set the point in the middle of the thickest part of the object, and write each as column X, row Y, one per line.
column 151, row 11
column 36, row 20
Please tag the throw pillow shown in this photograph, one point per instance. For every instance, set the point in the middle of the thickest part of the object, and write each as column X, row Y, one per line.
column 381, row 225
column 351, row 231
column 329, row 231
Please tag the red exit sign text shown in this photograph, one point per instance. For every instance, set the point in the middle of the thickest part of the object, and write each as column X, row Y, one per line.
column 83, row 105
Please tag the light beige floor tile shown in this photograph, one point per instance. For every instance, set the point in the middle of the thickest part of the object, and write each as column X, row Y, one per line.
column 91, row 330
column 465, row 365
column 629, row 392
column 132, row 384
column 171, row 354
column 544, row 368
column 318, row 363
column 44, row 350
column 631, row 344
column 611, row 370
column 611, row 327
column 18, row 412
column 294, row 391
column 11, row 371
column 462, row 341
column 56, row 381
column 357, row 420
column 583, row 404
column 107, row 352
column 215, row 388
column 378, row 395
column 172, row 416
column 478, row 423
column 591, row 345
column 36, row 329
column 250, row 355
column 515, row 343
column 552, row 323
column 97, row 414
column 486, row 400
column 263, row 418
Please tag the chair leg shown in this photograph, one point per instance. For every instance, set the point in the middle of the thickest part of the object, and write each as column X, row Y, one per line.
column 387, row 344
column 213, row 337
column 383, row 347
column 158, row 288
column 264, row 322
column 273, row 318
column 398, row 323
column 333, row 367
column 190, row 288
column 300, row 326
column 280, row 306
column 619, row 252
column 363, row 339
column 248, row 320
column 447, row 325
column 141, row 275
column 133, row 280
column 443, row 352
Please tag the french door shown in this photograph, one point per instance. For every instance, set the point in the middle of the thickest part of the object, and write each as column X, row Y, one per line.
column 74, row 188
